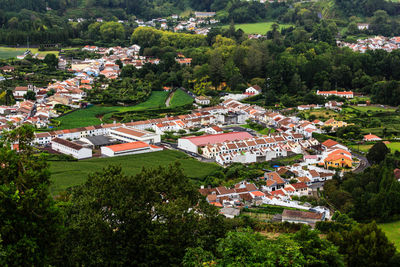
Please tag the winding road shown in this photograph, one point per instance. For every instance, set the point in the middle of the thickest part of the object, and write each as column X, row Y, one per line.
column 363, row 163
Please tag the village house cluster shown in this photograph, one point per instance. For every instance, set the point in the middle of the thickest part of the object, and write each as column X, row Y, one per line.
column 373, row 43
column 232, row 200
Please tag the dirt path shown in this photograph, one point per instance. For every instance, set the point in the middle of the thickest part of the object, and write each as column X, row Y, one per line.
column 167, row 102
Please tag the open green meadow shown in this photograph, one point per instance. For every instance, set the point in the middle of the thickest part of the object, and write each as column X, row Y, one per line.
column 392, row 231
column 9, row 52
column 94, row 115
column 259, row 27
column 393, row 147
column 180, row 98
column 65, row 174
column 265, row 131
column 365, row 147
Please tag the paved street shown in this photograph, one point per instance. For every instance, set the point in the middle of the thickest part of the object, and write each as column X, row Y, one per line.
column 363, row 163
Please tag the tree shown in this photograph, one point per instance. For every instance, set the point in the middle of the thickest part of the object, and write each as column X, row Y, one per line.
column 216, row 68
column 364, row 245
column 112, row 31
column 246, row 248
column 317, row 251
column 30, row 95
column 377, row 153
column 51, row 60
column 154, row 216
column 29, row 220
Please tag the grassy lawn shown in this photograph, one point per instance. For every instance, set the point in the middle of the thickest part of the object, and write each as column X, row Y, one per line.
column 394, row 146
column 259, row 27
column 180, row 98
column 373, row 109
column 264, row 131
column 66, row 174
column 259, row 216
column 392, row 231
column 90, row 116
column 363, row 148
column 9, row 52
column 290, row 160
column 322, row 114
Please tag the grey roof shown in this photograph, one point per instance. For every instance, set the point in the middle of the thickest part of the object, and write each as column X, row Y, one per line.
column 230, row 211
column 100, row 140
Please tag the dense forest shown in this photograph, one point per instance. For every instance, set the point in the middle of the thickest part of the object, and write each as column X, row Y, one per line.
column 288, row 66
column 47, row 21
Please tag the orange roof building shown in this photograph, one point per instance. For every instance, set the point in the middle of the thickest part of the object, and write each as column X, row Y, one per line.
column 128, row 149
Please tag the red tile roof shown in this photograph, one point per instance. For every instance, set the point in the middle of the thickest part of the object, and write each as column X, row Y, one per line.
column 299, row 186
column 218, row 138
column 329, row 143
column 128, row 146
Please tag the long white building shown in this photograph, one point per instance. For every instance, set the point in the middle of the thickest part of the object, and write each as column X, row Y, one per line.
column 127, row 135
column 70, row 148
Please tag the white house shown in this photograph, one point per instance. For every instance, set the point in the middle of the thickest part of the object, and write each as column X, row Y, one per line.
column 363, row 26
column 253, row 90
column 70, row 148
column 20, row 91
column 203, row 100
column 371, row 137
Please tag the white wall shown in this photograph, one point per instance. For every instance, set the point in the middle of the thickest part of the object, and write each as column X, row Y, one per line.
column 110, row 153
column 187, row 145
column 82, row 153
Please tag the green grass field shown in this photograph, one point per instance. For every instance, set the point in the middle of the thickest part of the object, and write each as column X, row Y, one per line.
column 259, row 27
column 66, row 174
column 9, row 52
column 392, row 231
column 373, row 109
column 364, row 148
column 180, row 98
column 90, row 116
column 393, row 147
column 264, row 131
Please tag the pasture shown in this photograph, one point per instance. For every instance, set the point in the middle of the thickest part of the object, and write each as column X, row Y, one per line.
column 392, row 231
column 99, row 114
column 10, row 52
column 258, row 28
column 180, row 98
column 65, row 174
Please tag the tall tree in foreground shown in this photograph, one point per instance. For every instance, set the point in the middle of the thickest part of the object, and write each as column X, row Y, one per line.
column 377, row 153
column 149, row 219
column 29, row 220
column 365, row 245
column 246, row 248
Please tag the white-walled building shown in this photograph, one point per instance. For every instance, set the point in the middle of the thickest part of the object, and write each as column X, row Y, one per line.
column 193, row 144
column 127, row 135
column 203, row 100
column 71, row 148
column 129, row 149
column 253, row 90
